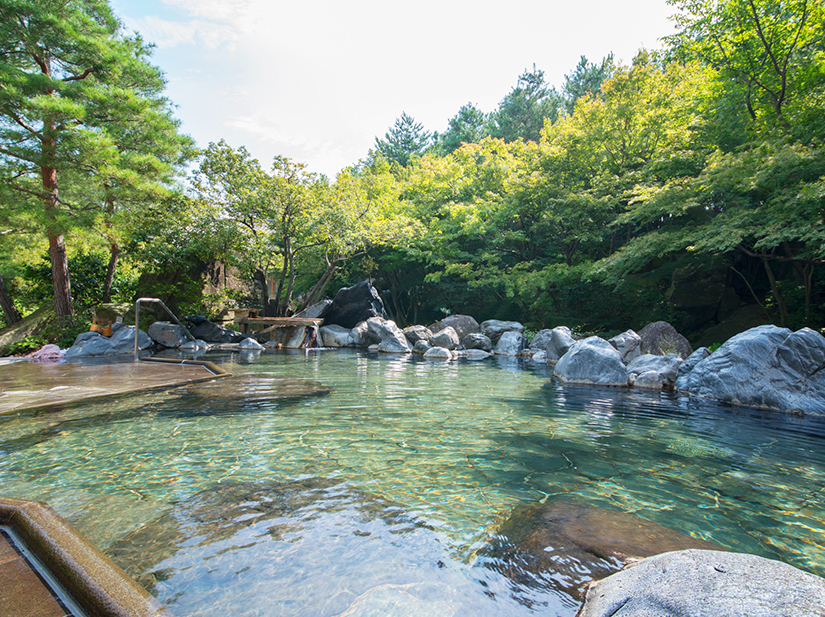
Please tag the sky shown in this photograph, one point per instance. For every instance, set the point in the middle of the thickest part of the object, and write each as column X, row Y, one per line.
column 319, row 80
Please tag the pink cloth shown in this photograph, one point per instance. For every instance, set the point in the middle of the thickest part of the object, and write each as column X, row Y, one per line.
column 47, row 353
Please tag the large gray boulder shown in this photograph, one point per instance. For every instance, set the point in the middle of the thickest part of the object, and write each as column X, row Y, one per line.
column 476, row 340
column 690, row 363
column 417, row 333
column 541, row 340
column 511, row 343
column 462, row 324
column 122, row 342
column 355, row 304
column 561, row 340
column 656, row 372
column 660, row 338
column 316, row 311
column 629, row 345
column 592, row 361
column 167, row 334
column 768, row 367
column 392, row 339
column 438, row 353
column 700, row 583
column 362, row 337
column 446, row 338
column 421, row 347
column 335, row 336
column 494, row 328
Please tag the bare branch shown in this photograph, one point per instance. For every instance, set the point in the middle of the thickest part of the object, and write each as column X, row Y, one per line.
column 80, row 77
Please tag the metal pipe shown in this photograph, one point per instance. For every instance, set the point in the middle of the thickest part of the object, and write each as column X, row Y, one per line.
column 166, row 308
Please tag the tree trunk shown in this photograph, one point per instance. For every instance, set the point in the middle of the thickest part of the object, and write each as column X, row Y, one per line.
column 291, row 286
column 780, row 301
column 60, row 276
column 110, row 273
column 10, row 311
column 260, row 278
column 57, row 249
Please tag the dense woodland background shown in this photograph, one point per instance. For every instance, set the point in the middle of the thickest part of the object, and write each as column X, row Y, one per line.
column 688, row 187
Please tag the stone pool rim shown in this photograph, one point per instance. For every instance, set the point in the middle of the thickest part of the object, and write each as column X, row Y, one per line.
column 99, row 586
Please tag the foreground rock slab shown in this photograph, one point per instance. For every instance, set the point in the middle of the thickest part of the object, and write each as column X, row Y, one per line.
column 699, row 583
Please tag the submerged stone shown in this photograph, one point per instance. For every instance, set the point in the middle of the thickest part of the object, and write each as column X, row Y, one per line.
column 569, row 544
column 255, row 388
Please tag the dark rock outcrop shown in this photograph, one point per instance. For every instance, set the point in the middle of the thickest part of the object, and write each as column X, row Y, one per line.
column 205, row 330
column 355, row 304
column 660, row 338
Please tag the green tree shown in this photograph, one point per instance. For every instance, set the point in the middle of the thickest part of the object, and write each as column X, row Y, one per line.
column 770, row 51
column 403, row 141
column 76, row 97
column 521, row 113
column 586, row 80
column 469, row 125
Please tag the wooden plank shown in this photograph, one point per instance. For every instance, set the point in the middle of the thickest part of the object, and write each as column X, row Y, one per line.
column 280, row 321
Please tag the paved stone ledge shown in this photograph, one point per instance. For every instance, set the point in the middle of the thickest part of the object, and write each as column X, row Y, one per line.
column 32, row 385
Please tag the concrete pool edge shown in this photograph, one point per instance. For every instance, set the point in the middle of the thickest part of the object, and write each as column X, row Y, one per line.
column 99, row 586
column 78, row 383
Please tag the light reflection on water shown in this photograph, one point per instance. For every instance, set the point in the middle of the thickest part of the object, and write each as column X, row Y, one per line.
column 449, row 448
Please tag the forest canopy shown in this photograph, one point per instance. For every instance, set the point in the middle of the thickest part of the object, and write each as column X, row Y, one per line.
column 688, row 186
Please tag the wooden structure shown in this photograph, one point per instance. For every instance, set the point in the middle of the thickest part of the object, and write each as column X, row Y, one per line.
column 270, row 323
